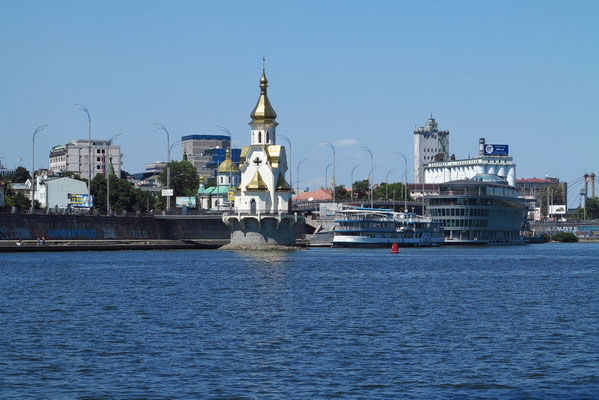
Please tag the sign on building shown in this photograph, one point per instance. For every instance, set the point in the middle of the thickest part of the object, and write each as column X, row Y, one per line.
column 496, row 150
column 559, row 209
column 81, row 200
column 167, row 192
column 183, row 200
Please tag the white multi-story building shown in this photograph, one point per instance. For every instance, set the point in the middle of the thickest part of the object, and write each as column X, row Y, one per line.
column 430, row 144
column 444, row 171
column 74, row 157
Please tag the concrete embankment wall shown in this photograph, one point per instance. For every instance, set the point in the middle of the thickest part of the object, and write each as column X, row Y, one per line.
column 54, row 227
column 582, row 229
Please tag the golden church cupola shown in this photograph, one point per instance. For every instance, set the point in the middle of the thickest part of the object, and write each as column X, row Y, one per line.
column 263, row 117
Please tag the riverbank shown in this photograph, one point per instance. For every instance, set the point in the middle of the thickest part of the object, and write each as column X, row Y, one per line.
column 28, row 246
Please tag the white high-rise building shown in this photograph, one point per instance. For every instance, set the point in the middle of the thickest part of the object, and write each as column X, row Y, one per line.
column 430, row 144
column 74, row 157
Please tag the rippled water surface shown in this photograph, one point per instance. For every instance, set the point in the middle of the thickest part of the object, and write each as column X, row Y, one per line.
column 488, row 322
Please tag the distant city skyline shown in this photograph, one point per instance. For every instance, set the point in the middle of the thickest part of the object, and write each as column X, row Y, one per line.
column 354, row 74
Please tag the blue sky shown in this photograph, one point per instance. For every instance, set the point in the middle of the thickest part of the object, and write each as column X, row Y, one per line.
column 523, row 73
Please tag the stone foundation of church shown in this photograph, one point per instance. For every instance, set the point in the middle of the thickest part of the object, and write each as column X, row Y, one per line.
column 262, row 231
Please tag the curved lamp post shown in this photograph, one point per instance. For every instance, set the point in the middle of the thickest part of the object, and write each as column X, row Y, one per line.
column 366, row 149
column 285, row 138
column 225, row 130
column 89, row 149
column 326, row 175
column 37, row 130
column 405, row 189
column 387, row 182
column 352, row 179
column 298, row 180
column 334, row 170
column 170, row 149
column 108, row 211
column 168, row 161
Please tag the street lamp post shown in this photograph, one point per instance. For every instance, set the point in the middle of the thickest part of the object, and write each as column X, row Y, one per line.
column 170, row 149
column 225, row 130
column 334, row 171
column 89, row 150
column 298, row 174
column 405, row 189
column 387, row 182
column 108, row 211
column 168, row 162
column 352, row 180
column 285, row 138
column 37, row 130
column 366, row 149
column 326, row 175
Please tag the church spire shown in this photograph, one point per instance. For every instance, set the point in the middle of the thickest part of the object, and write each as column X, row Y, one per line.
column 263, row 112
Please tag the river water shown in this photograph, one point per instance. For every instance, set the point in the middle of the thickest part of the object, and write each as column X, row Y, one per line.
column 482, row 322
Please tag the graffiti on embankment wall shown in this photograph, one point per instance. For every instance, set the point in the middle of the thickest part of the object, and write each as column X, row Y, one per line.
column 30, row 227
column 90, row 234
column 582, row 231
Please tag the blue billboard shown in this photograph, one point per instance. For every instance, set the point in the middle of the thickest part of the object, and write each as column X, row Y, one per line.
column 496, row 150
column 81, row 200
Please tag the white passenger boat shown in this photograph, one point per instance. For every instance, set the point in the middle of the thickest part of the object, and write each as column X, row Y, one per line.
column 375, row 227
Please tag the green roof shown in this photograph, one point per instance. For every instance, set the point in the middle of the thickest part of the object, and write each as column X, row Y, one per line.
column 214, row 190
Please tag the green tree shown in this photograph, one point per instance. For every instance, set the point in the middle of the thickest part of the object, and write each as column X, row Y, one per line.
column 383, row 193
column 123, row 196
column 341, row 193
column 361, row 189
column 16, row 199
column 556, row 194
column 20, row 175
column 565, row 237
column 184, row 178
column 98, row 191
column 578, row 214
column 592, row 208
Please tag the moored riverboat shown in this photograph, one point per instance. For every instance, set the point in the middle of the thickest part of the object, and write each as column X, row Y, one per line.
column 375, row 227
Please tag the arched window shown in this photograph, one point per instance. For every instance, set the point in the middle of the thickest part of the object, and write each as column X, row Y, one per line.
column 253, row 206
column 266, row 136
column 260, row 137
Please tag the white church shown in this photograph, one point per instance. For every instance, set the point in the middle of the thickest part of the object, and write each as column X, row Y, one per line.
column 262, row 206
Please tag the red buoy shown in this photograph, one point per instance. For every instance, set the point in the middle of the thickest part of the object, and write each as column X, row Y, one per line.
column 394, row 248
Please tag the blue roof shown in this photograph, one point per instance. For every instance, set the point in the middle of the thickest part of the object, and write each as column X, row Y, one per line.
column 205, row 137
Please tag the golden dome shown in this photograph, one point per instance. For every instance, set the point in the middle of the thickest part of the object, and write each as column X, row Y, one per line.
column 228, row 165
column 263, row 110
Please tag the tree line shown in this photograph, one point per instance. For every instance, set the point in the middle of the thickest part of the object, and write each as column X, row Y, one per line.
column 123, row 195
